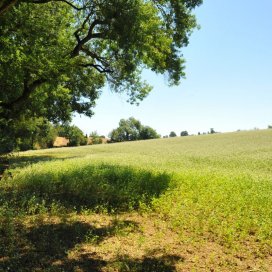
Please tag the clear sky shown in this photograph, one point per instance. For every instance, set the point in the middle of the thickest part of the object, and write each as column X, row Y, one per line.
column 228, row 83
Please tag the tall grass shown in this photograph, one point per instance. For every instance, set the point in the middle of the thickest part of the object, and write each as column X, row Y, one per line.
column 229, row 210
column 78, row 183
column 215, row 188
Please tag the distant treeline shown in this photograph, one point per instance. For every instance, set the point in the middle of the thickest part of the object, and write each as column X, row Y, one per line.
column 38, row 133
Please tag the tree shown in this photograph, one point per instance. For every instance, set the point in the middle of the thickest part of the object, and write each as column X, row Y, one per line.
column 132, row 130
column 73, row 133
column 57, row 55
column 34, row 133
column 96, row 139
column 184, row 133
column 128, row 130
column 26, row 133
column 172, row 134
column 147, row 132
column 36, row 74
column 212, row 131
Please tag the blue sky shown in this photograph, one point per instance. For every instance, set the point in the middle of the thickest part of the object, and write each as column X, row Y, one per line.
column 228, row 83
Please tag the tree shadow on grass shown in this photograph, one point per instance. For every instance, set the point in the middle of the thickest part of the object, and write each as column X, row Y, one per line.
column 17, row 161
column 165, row 263
column 46, row 247
column 114, row 187
column 91, row 263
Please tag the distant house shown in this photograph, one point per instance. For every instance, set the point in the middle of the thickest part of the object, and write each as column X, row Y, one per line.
column 61, row 142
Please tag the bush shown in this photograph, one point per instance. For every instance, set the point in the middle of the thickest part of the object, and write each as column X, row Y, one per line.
column 184, row 133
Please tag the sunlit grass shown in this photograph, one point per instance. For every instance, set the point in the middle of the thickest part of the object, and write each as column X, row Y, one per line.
column 205, row 189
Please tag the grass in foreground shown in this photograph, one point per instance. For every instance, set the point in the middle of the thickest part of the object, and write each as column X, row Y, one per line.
column 185, row 204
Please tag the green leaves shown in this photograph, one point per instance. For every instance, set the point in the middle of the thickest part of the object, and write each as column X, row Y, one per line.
column 56, row 57
column 73, row 133
column 99, row 42
column 132, row 130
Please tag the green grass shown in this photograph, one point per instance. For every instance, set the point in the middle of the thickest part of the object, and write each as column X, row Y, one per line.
column 212, row 193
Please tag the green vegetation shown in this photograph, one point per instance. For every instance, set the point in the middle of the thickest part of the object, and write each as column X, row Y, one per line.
column 172, row 134
column 198, row 203
column 184, row 133
column 95, row 138
column 37, row 133
column 26, row 133
column 74, row 134
column 56, row 56
column 132, row 130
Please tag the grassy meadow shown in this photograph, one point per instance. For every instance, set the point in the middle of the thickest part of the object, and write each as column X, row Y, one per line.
column 197, row 203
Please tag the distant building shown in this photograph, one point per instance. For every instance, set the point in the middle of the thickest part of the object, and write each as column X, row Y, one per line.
column 61, row 142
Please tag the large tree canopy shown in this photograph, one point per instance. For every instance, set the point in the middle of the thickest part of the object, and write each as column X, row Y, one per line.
column 56, row 55
column 132, row 130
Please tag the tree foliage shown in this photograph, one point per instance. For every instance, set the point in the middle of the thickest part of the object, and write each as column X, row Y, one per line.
column 212, row 131
column 37, row 76
column 57, row 55
column 132, row 130
column 172, row 134
column 25, row 134
column 52, row 52
column 95, row 138
column 73, row 133
column 184, row 133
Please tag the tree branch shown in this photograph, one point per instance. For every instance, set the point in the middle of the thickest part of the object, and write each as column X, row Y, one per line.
column 90, row 35
column 94, row 55
column 76, row 33
column 98, row 67
column 6, row 5
column 28, row 89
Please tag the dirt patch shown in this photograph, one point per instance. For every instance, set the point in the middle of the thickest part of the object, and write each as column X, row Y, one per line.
column 148, row 243
column 134, row 242
column 124, row 242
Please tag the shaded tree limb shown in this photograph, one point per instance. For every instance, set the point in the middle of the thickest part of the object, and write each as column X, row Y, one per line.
column 98, row 67
column 6, row 5
column 28, row 89
column 90, row 35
